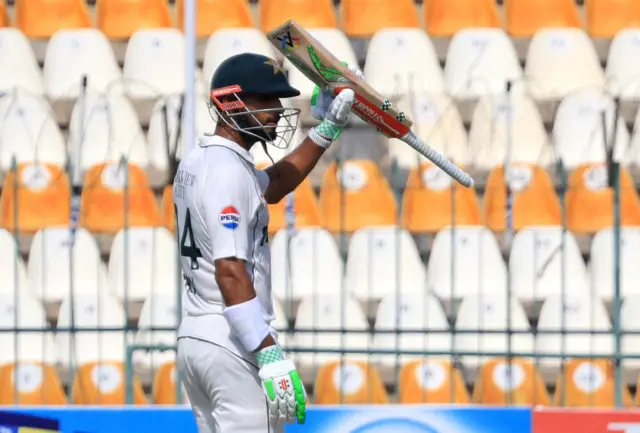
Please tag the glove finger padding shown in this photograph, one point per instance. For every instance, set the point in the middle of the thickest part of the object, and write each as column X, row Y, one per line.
column 286, row 396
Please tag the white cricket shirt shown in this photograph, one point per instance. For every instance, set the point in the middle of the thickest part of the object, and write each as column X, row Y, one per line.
column 220, row 212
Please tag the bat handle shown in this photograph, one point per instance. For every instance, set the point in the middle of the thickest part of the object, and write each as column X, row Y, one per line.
column 438, row 159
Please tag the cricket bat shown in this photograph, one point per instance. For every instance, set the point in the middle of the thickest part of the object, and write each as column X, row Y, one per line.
column 323, row 68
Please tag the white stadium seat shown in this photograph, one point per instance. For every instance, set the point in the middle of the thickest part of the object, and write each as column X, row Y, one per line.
column 330, row 313
column 537, row 268
column 437, row 121
column 279, row 324
column 578, row 134
column 602, row 263
column 623, row 64
column 74, row 53
column 381, row 261
column 473, row 255
column 480, row 61
column 581, row 313
column 49, row 266
column 309, row 262
column 411, row 312
column 633, row 154
column 489, row 135
column 630, row 322
column 158, row 311
column 20, row 67
column 491, row 312
column 29, row 132
column 151, row 263
column 34, row 346
column 90, row 311
column 13, row 274
column 226, row 43
column 402, row 61
column 561, row 61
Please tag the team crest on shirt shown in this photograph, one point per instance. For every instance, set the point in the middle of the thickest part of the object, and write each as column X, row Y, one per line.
column 229, row 217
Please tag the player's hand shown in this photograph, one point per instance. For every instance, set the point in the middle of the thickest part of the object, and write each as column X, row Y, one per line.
column 322, row 99
column 286, row 396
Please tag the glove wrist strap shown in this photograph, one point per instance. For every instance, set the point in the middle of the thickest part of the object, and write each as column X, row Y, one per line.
column 269, row 355
column 325, row 133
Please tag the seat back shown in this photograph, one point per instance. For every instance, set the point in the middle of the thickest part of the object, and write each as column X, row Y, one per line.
column 588, row 383
column 431, row 381
column 514, row 381
column 103, row 384
column 13, row 275
column 306, row 210
column 119, row 19
column 605, row 19
column 308, row 13
column 602, row 265
column 214, row 15
column 30, row 384
column 349, row 383
column 526, row 17
column 164, row 386
column 34, row 17
column 363, row 18
column 446, row 17
column 24, row 72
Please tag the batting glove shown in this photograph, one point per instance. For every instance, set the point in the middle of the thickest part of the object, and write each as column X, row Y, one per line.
column 286, row 396
column 322, row 99
column 335, row 120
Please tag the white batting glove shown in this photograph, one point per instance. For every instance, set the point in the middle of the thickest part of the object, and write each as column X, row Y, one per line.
column 335, row 120
column 322, row 99
column 286, row 396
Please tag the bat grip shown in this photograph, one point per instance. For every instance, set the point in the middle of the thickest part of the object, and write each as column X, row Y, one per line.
column 438, row 159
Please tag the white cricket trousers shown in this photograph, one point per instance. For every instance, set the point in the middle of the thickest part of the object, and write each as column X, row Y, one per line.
column 224, row 390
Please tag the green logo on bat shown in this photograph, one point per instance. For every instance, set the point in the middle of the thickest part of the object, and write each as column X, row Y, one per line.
column 329, row 74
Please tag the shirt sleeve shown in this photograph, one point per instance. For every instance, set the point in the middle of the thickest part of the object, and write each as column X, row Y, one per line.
column 263, row 180
column 228, row 202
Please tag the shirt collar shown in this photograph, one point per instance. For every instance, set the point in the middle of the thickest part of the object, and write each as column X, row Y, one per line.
column 216, row 140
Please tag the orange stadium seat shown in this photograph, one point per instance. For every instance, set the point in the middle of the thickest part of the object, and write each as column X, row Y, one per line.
column 517, row 383
column 305, row 209
column 526, row 17
column 309, row 13
column 428, row 199
column 103, row 199
column 588, row 383
column 42, row 199
column 364, row 192
column 104, row 384
column 353, row 382
column 168, row 212
column 363, row 18
column 40, row 19
column 164, row 384
column 118, row 19
column 605, row 18
column 534, row 204
column 589, row 201
column 433, row 381
column 213, row 15
column 446, row 17
column 4, row 16
column 30, row 384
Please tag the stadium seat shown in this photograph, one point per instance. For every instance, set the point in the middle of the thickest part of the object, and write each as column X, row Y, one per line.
column 437, row 121
column 415, row 67
column 534, row 198
column 581, row 313
column 119, row 19
column 90, row 310
column 281, row 322
column 623, row 65
column 353, row 382
column 306, row 263
column 560, row 62
column 540, row 265
column 630, row 322
column 602, row 262
column 40, row 19
column 308, row 13
column 480, row 61
column 433, row 200
column 23, row 310
column 29, row 132
column 477, row 264
column 383, row 260
column 168, row 210
column 330, row 313
column 74, row 54
column 164, row 386
column 30, row 384
column 588, row 383
column 491, row 312
column 143, row 262
column 111, row 131
column 499, row 127
column 103, row 199
column 4, row 16
column 213, row 15
column 411, row 312
column 24, row 72
column 444, row 18
column 158, row 311
column 589, row 200
column 13, row 274
column 354, row 196
column 104, row 384
column 431, row 381
column 305, row 209
column 363, row 18
column 525, row 17
column 510, row 382
column 50, row 264
column 605, row 19
column 38, row 198
column 578, row 133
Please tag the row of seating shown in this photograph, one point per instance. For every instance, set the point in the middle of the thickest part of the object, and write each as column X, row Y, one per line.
column 358, row 18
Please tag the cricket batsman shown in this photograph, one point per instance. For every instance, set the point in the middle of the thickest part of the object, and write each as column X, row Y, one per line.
column 234, row 372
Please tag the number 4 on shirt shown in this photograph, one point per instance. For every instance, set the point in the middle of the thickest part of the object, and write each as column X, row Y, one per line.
column 191, row 250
